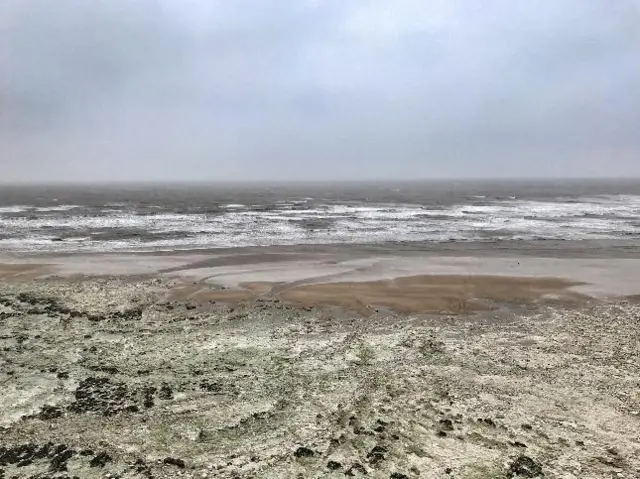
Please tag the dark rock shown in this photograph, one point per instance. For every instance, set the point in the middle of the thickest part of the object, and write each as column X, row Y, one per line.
column 148, row 396
column 49, row 412
column 60, row 458
column 62, row 375
column 86, row 452
column 210, row 386
column 165, row 392
column 142, row 469
column 303, row 452
column 441, row 434
column 580, row 443
column 524, row 466
column 448, row 470
column 100, row 460
column 527, row 427
column 105, row 369
column 518, row 444
column 376, row 455
column 355, row 467
column 100, row 395
column 488, row 421
column 446, row 424
column 398, row 475
column 175, row 462
column 334, row 465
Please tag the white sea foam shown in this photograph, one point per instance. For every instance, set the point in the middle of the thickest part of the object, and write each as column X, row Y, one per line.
column 583, row 218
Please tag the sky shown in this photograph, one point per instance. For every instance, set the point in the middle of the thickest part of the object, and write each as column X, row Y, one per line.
column 146, row 90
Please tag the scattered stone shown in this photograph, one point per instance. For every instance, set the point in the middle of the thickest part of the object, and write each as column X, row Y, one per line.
column 100, row 460
column 210, row 386
column 446, row 424
column 487, row 421
column 356, row 467
column 142, row 469
column 100, row 395
column 524, row 466
column 148, row 396
column 60, row 458
column 49, row 412
column 303, row 452
column 165, row 392
column 377, row 455
column 175, row 462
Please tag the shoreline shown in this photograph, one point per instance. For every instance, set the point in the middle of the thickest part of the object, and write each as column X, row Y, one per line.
column 342, row 363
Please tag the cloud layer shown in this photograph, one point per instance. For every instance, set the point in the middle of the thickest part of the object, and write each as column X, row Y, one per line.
column 312, row 89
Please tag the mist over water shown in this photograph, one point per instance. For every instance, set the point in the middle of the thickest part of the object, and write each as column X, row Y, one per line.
column 188, row 216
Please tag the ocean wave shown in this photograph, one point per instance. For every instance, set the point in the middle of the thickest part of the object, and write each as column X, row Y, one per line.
column 239, row 225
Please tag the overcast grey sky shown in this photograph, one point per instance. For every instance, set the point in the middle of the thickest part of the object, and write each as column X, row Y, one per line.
column 313, row 89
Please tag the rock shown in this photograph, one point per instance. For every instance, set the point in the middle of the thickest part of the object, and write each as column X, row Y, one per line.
column 303, row 452
column 398, row 475
column 100, row 395
column 49, row 412
column 175, row 462
column 446, row 424
column 524, row 466
column 334, row 465
column 60, row 458
column 165, row 392
column 356, row 467
column 148, row 396
column 100, row 460
column 377, row 455
column 210, row 386
column 488, row 421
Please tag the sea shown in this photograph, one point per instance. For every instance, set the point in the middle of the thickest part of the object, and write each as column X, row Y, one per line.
column 168, row 217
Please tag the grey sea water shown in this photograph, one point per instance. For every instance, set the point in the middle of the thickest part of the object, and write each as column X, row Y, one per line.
column 187, row 216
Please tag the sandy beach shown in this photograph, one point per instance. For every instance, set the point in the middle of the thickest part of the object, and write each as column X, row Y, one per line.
column 338, row 362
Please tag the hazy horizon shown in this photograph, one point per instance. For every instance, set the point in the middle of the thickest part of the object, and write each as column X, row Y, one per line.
column 165, row 91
